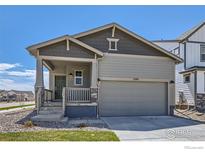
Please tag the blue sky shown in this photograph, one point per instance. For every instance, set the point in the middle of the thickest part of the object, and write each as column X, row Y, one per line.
column 21, row 26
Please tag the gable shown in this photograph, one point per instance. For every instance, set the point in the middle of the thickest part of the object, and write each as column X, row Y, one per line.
column 60, row 49
column 199, row 35
column 193, row 32
column 126, row 44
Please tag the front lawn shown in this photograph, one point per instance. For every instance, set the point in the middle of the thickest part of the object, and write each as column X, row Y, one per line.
column 59, row 136
column 14, row 107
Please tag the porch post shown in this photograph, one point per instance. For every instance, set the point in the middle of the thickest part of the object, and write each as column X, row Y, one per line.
column 39, row 85
column 94, row 74
column 94, row 88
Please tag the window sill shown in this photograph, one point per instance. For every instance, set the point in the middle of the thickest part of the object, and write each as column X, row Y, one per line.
column 112, row 49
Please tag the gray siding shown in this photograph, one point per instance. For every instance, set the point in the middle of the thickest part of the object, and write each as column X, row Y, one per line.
column 59, row 49
column 141, row 67
column 126, row 43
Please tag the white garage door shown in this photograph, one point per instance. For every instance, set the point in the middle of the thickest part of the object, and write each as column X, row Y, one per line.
column 119, row 98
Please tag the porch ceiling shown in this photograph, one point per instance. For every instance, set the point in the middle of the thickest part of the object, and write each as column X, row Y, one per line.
column 62, row 64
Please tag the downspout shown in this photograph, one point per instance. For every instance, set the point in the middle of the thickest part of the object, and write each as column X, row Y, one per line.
column 195, row 88
column 184, row 55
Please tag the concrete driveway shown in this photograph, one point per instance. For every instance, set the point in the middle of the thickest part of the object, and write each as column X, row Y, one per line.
column 156, row 128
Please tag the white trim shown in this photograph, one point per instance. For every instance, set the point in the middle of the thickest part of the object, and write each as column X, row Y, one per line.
column 48, row 66
column 81, row 104
column 67, row 45
column 131, row 34
column 133, row 79
column 113, row 39
column 93, row 30
column 62, row 39
column 113, row 31
column 86, row 46
column 204, row 82
column 110, row 40
column 46, row 43
column 67, row 59
column 187, row 75
column 202, row 52
column 135, row 56
column 81, row 77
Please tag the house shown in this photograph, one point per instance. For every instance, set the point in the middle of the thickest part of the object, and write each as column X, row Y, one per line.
column 15, row 95
column 106, row 71
column 190, row 75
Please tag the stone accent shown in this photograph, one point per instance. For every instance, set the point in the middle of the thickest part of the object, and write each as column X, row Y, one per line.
column 200, row 102
column 94, row 95
column 39, row 97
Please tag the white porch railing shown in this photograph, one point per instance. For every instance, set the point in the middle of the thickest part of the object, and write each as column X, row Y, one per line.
column 75, row 95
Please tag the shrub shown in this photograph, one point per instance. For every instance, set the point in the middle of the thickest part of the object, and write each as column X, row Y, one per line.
column 82, row 125
column 28, row 123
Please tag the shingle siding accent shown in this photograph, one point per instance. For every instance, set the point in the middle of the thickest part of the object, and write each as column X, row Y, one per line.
column 126, row 44
column 59, row 49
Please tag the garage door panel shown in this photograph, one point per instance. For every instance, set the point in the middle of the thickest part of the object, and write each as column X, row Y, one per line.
column 132, row 98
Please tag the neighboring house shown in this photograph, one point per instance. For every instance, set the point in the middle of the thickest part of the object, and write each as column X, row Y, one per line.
column 106, row 71
column 190, row 75
column 15, row 95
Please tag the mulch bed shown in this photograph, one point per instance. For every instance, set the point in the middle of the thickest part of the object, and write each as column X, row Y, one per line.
column 15, row 122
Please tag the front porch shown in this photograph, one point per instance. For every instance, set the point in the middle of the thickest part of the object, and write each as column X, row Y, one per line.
column 72, row 88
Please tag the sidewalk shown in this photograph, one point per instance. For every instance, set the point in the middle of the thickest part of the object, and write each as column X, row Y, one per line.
column 5, row 104
column 17, row 109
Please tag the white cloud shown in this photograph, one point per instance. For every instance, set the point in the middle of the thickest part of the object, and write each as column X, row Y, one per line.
column 7, row 66
column 8, row 84
column 26, row 73
column 25, row 80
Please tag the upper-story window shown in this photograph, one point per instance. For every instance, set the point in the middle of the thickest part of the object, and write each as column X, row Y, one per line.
column 112, row 43
column 202, row 53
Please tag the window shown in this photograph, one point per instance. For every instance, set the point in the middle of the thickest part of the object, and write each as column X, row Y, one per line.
column 78, row 78
column 112, row 43
column 202, row 53
column 187, row 78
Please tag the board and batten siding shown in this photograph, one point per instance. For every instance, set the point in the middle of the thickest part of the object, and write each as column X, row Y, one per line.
column 199, row 35
column 60, row 49
column 142, row 67
column 126, row 44
column 193, row 55
column 201, row 82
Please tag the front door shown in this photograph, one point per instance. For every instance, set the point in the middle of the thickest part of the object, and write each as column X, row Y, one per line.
column 60, row 82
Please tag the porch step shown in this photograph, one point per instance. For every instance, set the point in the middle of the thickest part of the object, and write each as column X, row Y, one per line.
column 53, row 104
column 51, row 108
column 48, row 112
column 49, row 117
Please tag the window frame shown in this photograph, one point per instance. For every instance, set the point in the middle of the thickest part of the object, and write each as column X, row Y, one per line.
column 110, row 40
column 187, row 75
column 79, row 77
column 202, row 46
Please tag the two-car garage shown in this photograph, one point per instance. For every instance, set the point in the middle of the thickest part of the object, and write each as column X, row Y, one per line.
column 131, row 98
